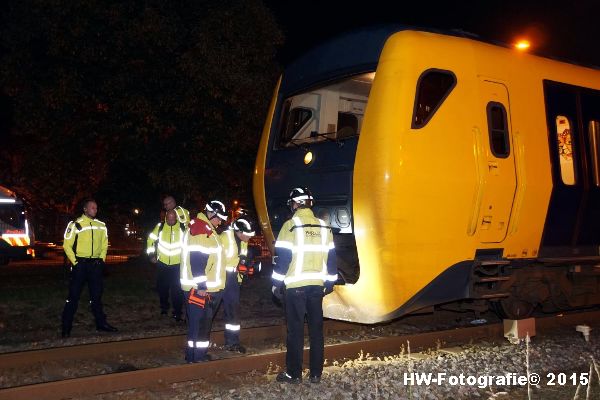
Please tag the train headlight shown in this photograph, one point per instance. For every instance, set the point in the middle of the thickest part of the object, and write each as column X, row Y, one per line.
column 343, row 217
column 308, row 157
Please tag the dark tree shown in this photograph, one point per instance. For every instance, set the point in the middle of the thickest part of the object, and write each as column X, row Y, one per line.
column 132, row 99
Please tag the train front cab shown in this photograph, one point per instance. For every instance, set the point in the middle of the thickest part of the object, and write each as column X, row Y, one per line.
column 452, row 177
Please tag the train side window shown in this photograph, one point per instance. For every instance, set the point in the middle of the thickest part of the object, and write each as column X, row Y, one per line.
column 594, row 137
column 498, row 129
column 294, row 121
column 565, row 149
column 433, row 86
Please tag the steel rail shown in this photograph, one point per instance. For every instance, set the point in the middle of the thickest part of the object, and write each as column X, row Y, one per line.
column 250, row 336
column 219, row 369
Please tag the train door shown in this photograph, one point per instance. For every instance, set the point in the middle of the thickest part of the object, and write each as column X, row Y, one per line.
column 573, row 118
column 498, row 173
column 567, row 190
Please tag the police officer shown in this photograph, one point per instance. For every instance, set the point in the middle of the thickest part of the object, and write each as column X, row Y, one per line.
column 85, row 245
column 306, row 267
column 183, row 215
column 164, row 249
column 202, row 277
column 235, row 248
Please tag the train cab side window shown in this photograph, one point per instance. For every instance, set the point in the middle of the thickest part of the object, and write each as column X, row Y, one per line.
column 498, row 129
column 433, row 87
column 594, row 138
column 565, row 149
column 293, row 121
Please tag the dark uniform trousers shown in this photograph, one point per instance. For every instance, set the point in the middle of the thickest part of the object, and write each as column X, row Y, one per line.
column 167, row 279
column 306, row 300
column 199, row 327
column 87, row 270
column 231, row 305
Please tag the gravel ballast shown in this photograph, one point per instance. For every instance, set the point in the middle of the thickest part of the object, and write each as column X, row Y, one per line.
column 27, row 324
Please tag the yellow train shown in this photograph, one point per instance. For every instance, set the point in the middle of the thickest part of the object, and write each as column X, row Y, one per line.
column 451, row 170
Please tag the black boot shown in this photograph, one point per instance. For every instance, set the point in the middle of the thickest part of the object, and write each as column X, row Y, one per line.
column 238, row 348
column 66, row 332
column 106, row 327
column 286, row 378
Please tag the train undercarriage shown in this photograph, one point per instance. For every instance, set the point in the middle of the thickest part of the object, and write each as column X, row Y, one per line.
column 516, row 290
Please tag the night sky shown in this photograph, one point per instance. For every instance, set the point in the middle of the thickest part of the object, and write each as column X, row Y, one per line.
column 560, row 29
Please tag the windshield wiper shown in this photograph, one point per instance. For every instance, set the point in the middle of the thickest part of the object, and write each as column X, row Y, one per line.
column 315, row 134
column 303, row 143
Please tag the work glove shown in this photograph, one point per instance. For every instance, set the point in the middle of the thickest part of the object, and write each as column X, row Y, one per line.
column 328, row 288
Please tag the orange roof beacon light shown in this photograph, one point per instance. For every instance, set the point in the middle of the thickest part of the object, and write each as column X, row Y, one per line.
column 522, row 45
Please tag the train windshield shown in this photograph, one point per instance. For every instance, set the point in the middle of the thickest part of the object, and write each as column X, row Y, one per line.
column 12, row 218
column 332, row 112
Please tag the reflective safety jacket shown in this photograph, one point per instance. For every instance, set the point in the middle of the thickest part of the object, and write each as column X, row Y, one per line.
column 165, row 240
column 202, row 264
column 243, row 246
column 183, row 215
column 230, row 250
column 85, row 238
column 305, row 252
column 243, row 256
column 234, row 251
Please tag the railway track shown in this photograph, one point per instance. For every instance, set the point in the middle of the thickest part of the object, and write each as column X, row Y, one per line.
column 221, row 368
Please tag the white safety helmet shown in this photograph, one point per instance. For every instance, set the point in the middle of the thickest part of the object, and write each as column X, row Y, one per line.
column 301, row 196
column 244, row 226
column 216, row 207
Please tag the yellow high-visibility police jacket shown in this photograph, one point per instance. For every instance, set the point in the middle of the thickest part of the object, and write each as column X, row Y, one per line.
column 202, row 264
column 92, row 239
column 305, row 252
column 183, row 215
column 165, row 240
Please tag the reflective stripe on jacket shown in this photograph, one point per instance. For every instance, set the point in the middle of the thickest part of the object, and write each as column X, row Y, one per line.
column 202, row 264
column 92, row 239
column 168, row 244
column 183, row 215
column 305, row 252
column 230, row 250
